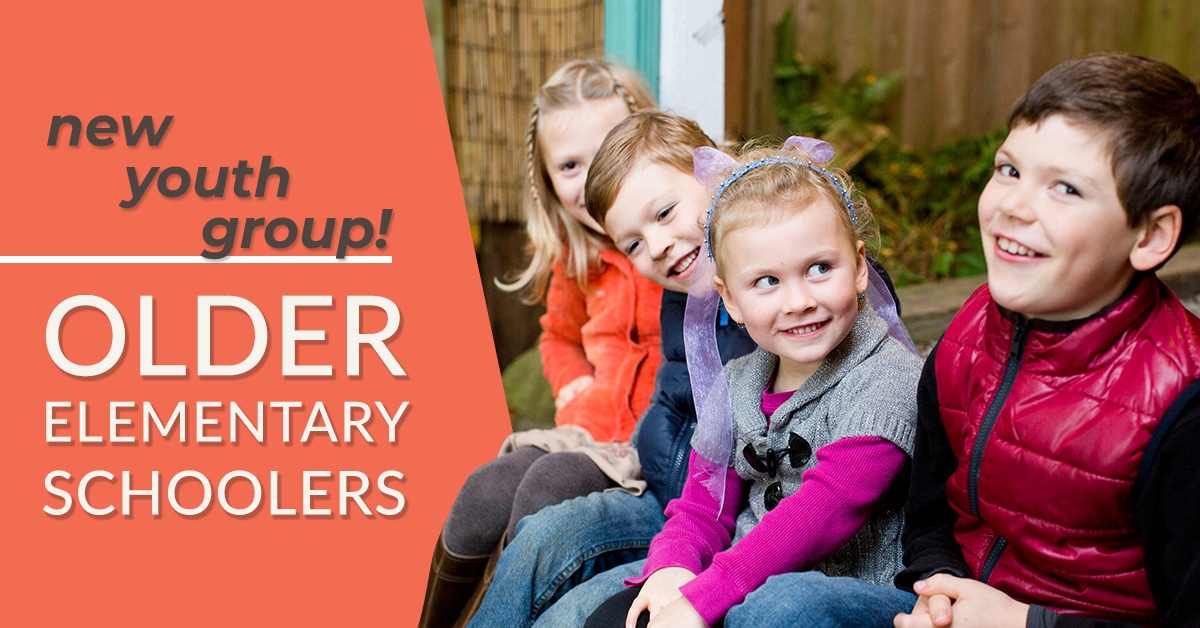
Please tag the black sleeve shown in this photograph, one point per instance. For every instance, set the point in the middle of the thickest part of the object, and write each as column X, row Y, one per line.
column 1167, row 507
column 929, row 543
column 1168, row 511
column 1040, row 617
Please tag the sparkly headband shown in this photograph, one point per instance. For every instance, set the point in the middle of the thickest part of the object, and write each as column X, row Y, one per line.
column 740, row 172
column 710, row 392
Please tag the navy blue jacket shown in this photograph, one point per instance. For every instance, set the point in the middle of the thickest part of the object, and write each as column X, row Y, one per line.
column 664, row 434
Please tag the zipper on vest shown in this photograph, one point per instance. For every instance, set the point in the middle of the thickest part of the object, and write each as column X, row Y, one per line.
column 993, row 557
column 1015, row 352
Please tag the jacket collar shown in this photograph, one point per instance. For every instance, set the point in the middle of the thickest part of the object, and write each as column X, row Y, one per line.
column 1068, row 347
column 747, row 384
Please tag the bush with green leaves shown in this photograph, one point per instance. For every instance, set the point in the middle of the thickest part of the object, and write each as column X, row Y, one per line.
column 925, row 202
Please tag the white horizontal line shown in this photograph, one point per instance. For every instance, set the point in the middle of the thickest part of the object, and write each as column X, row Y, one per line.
column 191, row 259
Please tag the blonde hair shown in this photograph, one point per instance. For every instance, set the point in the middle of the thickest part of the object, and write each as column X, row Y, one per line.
column 772, row 191
column 547, row 222
column 661, row 137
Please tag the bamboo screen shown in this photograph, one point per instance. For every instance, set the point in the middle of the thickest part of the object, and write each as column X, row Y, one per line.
column 498, row 52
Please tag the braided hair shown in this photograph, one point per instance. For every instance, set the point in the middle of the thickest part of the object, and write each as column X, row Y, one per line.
column 553, row 233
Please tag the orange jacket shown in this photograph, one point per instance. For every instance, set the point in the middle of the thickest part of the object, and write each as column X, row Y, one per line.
column 611, row 332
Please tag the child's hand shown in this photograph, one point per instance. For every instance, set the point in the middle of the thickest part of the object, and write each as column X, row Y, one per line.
column 678, row 614
column 660, row 589
column 929, row 612
column 949, row 601
column 574, row 387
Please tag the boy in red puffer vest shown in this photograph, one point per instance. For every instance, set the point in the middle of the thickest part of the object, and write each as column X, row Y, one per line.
column 1054, row 479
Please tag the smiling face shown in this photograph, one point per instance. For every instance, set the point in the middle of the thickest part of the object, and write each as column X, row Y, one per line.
column 657, row 220
column 569, row 139
column 1055, row 235
column 794, row 283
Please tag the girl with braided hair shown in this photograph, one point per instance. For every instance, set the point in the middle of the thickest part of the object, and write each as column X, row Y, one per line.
column 600, row 342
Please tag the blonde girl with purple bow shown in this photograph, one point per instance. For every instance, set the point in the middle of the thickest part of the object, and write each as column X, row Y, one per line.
column 802, row 473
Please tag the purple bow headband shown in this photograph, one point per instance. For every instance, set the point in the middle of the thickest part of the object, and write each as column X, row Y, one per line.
column 716, row 171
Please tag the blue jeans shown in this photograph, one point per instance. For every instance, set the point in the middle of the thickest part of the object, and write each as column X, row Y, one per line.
column 563, row 546
column 811, row 598
column 574, row 608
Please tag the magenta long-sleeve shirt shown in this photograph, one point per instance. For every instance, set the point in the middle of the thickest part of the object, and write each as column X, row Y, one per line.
column 836, row 497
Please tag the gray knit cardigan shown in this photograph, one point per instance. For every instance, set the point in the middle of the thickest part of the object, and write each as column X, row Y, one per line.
column 866, row 387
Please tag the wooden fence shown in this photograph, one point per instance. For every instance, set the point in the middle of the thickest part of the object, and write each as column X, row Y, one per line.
column 964, row 62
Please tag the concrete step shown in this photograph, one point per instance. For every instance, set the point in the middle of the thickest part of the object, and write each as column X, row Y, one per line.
column 927, row 308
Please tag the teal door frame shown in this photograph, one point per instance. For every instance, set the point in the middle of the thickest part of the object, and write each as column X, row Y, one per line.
column 631, row 36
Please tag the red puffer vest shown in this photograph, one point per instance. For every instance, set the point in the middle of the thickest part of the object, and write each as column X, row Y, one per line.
column 1048, row 422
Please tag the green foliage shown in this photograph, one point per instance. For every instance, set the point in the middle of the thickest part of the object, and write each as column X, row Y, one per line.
column 925, row 203
column 530, row 400
column 809, row 96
